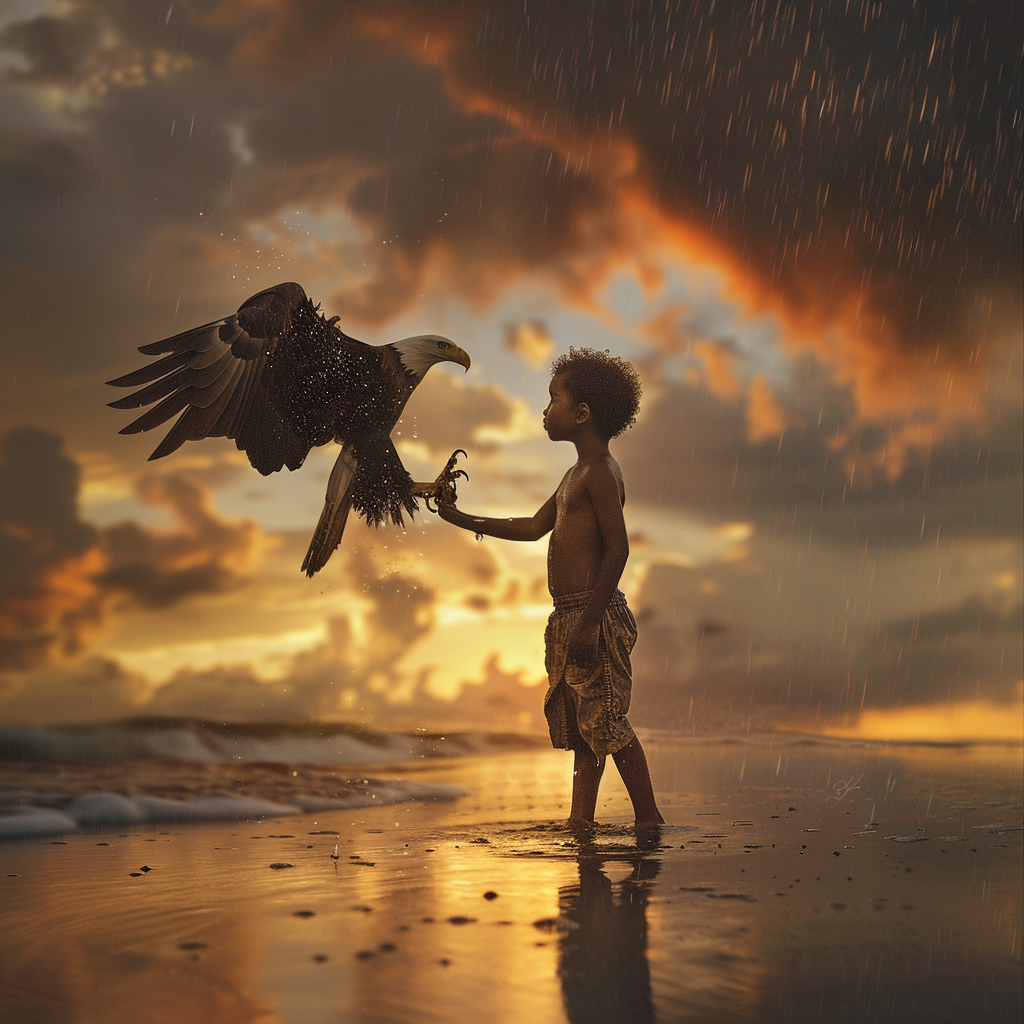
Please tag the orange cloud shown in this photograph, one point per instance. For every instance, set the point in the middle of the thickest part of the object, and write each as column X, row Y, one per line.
column 718, row 367
column 765, row 417
column 846, row 332
column 664, row 330
column 580, row 198
column 62, row 578
column 530, row 341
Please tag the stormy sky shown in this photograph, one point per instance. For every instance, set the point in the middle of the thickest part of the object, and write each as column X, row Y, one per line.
column 802, row 222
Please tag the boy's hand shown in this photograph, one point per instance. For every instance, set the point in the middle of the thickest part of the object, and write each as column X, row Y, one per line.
column 446, row 509
column 583, row 643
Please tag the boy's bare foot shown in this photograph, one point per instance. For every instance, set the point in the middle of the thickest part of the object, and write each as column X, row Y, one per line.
column 578, row 824
column 648, row 835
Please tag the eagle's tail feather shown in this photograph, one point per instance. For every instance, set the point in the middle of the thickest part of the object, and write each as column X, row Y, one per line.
column 327, row 535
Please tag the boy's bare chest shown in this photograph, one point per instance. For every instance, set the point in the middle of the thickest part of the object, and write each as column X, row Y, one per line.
column 571, row 498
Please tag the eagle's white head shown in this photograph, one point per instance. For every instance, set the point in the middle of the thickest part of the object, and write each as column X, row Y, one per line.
column 420, row 353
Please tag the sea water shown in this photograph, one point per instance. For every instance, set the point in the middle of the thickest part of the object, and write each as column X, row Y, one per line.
column 795, row 880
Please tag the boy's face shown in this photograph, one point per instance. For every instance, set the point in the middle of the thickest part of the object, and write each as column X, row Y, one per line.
column 560, row 417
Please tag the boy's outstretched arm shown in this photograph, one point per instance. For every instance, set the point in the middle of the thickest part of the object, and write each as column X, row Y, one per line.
column 540, row 523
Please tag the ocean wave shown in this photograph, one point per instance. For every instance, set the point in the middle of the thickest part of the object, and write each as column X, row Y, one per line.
column 41, row 813
column 204, row 742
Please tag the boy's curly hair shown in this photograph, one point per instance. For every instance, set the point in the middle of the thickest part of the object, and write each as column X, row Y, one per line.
column 608, row 384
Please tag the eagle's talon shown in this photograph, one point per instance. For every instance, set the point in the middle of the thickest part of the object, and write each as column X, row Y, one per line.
column 450, row 464
column 442, row 490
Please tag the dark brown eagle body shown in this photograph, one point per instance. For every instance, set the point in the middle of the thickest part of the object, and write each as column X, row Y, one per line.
column 279, row 379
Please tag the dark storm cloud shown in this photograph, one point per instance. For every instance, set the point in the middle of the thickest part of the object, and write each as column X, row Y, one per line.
column 832, row 146
column 41, row 538
column 962, row 652
column 976, row 615
column 60, row 577
column 863, row 136
column 35, row 168
column 207, row 555
column 690, row 450
column 839, row 152
column 53, row 49
column 716, row 652
column 95, row 690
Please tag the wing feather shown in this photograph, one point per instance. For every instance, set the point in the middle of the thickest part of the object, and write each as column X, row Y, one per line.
column 154, row 392
column 217, row 376
column 197, row 422
column 198, row 383
column 196, row 340
column 225, row 425
column 337, row 503
column 200, row 359
column 152, row 371
column 214, row 383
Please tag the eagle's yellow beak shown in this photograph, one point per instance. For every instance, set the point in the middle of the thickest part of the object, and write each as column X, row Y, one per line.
column 457, row 355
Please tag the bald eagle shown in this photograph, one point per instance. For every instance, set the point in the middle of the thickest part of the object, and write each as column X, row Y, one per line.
column 280, row 379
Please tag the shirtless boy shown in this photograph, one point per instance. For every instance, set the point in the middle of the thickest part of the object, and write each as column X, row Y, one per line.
column 591, row 632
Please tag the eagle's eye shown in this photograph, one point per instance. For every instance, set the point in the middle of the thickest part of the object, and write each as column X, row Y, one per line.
column 443, row 345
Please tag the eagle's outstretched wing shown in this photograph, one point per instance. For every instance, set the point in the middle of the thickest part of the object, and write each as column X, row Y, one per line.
column 279, row 379
column 223, row 380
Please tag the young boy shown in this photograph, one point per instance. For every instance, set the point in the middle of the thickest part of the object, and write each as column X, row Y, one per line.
column 591, row 632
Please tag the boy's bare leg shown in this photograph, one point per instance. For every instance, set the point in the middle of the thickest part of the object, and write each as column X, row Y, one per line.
column 587, row 767
column 632, row 765
column 587, row 770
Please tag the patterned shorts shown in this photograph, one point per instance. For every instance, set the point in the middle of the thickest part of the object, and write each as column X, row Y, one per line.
column 598, row 697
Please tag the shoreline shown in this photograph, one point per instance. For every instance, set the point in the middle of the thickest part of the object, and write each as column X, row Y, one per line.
column 48, row 797
column 790, row 881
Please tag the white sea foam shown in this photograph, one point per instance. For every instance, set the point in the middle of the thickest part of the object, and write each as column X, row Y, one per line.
column 27, row 812
column 211, row 808
column 35, row 821
column 93, row 810
column 105, row 809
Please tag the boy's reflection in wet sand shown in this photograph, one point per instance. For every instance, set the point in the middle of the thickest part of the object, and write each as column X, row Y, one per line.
column 602, row 955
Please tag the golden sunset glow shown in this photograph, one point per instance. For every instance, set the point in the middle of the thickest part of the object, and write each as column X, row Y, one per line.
column 276, row 742
column 824, row 482
column 970, row 720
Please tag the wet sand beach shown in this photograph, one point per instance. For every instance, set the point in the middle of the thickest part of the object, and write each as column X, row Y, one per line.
column 793, row 882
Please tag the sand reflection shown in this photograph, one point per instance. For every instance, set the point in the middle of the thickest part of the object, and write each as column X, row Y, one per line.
column 602, row 949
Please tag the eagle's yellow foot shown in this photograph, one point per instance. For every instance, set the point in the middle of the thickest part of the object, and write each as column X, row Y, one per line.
column 443, row 488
